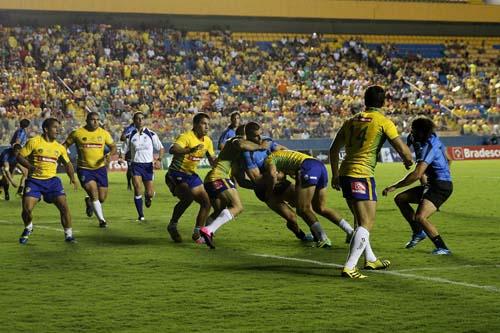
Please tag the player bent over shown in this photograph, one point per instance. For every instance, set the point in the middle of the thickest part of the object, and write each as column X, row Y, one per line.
column 220, row 187
column 90, row 142
column 433, row 167
column 8, row 160
column 311, row 180
column 40, row 156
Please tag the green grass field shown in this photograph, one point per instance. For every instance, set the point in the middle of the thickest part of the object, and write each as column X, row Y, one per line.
column 132, row 278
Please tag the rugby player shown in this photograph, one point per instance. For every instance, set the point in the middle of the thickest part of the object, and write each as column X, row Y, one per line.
column 40, row 156
column 311, row 181
column 8, row 160
column 90, row 141
column 432, row 168
column 363, row 136
column 188, row 150
column 220, row 187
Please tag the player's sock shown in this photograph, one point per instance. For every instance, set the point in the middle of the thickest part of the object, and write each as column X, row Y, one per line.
column 29, row 226
column 357, row 247
column 344, row 225
column 209, row 221
column 6, row 191
column 318, row 231
column 138, row 205
column 369, row 255
column 416, row 227
column 98, row 210
column 68, row 232
column 20, row 189
column 438, row 242
column 224, row 217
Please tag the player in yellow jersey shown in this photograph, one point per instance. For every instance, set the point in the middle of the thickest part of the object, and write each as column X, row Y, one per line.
column 363, row 135
column 188, row 150
column 90, row 141
column 311, row 181
column 40, row 156
column 221, row 188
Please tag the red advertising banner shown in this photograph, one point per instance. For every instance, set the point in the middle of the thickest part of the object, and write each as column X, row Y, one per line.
column 474, row 153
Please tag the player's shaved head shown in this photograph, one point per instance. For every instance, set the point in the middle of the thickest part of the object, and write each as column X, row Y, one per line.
column 48, row 123
column 251, row 128
column 374, row 97
column 199, row 117
column 91, row 114
column 24, row 123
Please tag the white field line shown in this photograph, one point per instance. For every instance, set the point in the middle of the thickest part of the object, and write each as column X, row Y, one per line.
column 478, row 176
column 395, row 273
column 35, row 226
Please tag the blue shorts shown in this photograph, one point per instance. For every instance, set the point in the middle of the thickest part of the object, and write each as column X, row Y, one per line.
column 358, row 188
column 216, row 187
column 174, row 178
column 100, row 176
column 313, row 172
column 143, row 170
column 48, row 188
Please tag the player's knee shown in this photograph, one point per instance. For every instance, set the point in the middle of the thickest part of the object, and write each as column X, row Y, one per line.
column 420, row 218
column 399, row 199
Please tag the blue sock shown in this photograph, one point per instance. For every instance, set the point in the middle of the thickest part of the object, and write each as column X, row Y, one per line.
column 138, row 205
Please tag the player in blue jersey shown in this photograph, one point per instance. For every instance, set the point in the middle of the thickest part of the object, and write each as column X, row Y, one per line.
column 20, row 137
column 433, row 170
column 283, row 194
column 8, row 160
column 229, row 132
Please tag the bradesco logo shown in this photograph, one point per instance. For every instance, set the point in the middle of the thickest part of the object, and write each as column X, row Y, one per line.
column 475, row 152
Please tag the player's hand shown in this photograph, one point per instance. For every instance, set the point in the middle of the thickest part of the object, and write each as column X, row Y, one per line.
column 408, row 164
column 74, row 183
column 336, row 183
column 387, row 190
column 265, row 145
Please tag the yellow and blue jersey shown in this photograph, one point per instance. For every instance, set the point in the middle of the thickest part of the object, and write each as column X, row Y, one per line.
column 188, row 163
column 364, row 134
column 44, row 155
column 228, row 156
column 90, row 146
column 287, row 161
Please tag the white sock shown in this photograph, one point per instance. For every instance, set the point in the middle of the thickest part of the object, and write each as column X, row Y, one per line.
column 344, row 225
column 224, row 217
column 68, row 232
column 318, row 231
column 30, row 226
column 98, row 210
column 369, row 255
column 357, row 247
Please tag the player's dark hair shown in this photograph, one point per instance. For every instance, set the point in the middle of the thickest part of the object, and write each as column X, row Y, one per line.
column 138, row 113
column 90, row 114
column 240, row 130
column 199, row 117
column 47, row 123
column 374, row 97
column 234, row 113
column 424, row 126
column 251, row 127
column 24, row 123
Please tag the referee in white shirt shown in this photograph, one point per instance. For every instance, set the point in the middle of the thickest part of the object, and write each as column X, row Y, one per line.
column 142, row 142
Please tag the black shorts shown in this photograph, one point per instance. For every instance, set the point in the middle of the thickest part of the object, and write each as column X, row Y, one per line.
column 436, row 192
column 279, row 189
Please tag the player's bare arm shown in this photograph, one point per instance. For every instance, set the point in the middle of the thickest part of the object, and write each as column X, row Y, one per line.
column 70, row 171
column 334, row 153
column 409, row 179
column 403, row 151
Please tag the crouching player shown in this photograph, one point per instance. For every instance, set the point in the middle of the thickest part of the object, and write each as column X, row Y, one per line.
column 220, row 187
column 433, row 167
column 8, row 158
column 40, row 157
column 311, row 180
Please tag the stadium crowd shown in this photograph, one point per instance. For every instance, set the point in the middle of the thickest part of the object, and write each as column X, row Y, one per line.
column 296, row 88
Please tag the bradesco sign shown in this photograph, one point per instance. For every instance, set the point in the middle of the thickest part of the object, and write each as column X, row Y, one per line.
column 474, row 153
